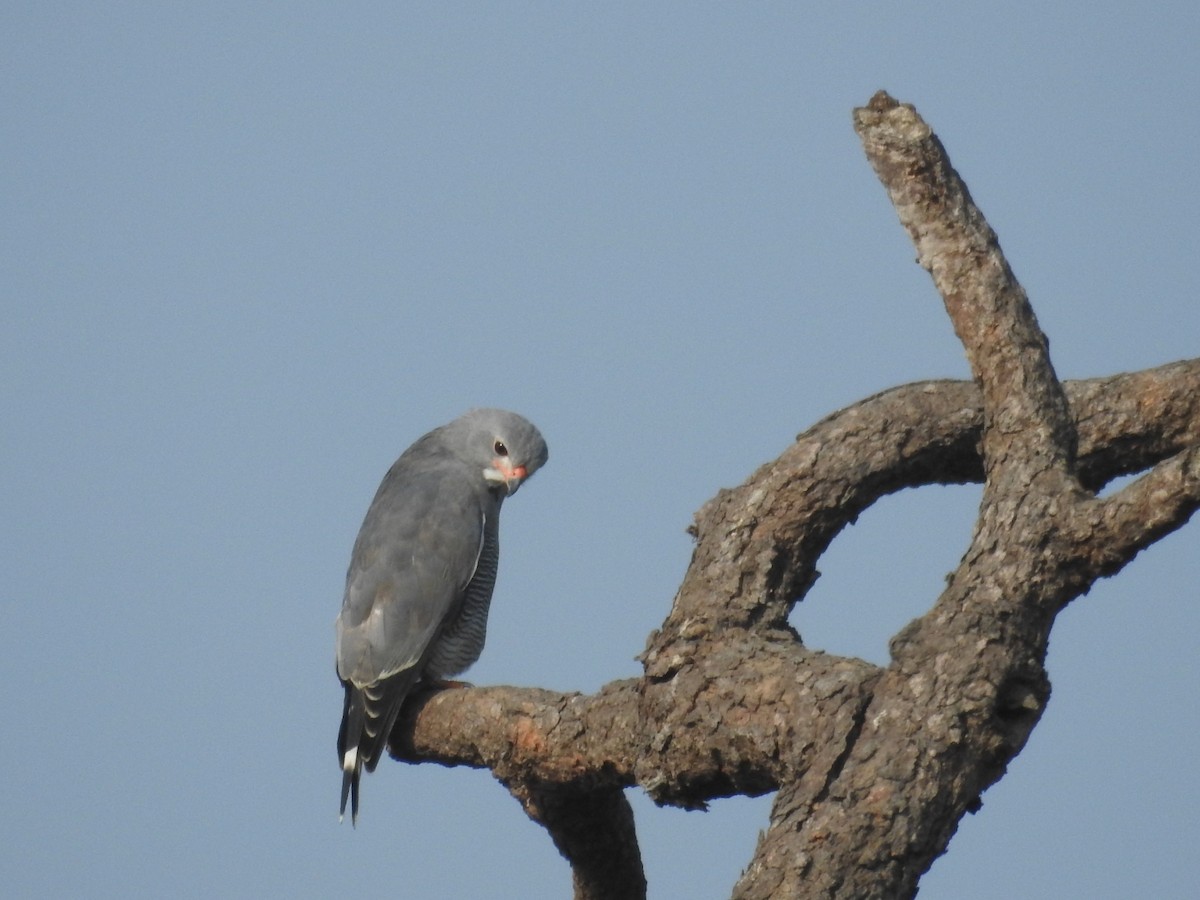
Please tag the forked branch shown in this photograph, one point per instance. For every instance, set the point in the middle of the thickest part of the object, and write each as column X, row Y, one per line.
column 872, row 767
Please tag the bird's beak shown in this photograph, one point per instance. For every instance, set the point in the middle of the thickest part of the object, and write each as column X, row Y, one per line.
column 502, row 471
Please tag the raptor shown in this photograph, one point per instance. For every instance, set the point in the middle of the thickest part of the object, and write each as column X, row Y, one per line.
column 421, row 574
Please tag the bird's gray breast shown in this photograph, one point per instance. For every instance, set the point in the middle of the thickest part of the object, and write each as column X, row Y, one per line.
column 460, row 641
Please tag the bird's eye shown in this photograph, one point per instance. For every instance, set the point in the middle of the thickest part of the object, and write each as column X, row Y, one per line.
column 500, row 448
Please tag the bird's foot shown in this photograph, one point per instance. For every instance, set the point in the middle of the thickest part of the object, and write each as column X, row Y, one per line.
column 439, row 684
column 450, row 683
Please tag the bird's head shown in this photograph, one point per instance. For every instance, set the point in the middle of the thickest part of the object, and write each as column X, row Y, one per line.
column 508, row 446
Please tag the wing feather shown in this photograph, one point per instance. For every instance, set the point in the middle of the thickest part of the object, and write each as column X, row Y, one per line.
column 417, row 551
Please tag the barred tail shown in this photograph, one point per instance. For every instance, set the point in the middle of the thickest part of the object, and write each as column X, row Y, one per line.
column 368, row 715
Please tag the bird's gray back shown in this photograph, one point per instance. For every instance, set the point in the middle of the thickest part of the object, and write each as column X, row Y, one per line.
column 414, row 557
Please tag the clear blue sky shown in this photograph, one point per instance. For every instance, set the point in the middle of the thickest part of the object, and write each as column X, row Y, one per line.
column 251, row 251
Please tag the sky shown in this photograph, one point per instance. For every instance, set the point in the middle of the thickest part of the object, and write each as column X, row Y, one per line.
column 250, row 252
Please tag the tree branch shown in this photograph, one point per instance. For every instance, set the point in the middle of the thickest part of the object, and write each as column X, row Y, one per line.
column 1129, row 422
column 1112, row 532
column 1008, row 352
column 967, row 682
column 873, row 767
column 651, row 733
column 526, row 734
column 593, row 830
column 758, row 544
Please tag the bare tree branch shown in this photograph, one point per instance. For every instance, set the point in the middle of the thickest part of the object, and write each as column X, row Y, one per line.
column 593, row 830
column 1009, row 355
column 1129, row 422
column 526, row 734
column 923, row 433
column 1117, row 529
column 967, row 682
column 873, row 767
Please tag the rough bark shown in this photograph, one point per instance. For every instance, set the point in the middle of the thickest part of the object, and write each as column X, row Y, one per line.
column 873, row 767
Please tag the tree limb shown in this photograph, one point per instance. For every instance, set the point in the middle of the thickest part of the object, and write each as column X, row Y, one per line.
column 1008, row 352
column 1111, row 532
column 593, row 830
column 967, row 681
column 873, row 767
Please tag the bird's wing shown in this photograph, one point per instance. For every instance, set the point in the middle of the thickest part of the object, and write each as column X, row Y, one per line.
column 415, row 554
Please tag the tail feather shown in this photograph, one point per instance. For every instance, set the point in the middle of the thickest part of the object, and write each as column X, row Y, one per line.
column 350, row 789
column 349, row 736
column 368, row 715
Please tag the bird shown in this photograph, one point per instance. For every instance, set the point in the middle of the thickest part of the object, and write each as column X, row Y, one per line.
column 421, row 574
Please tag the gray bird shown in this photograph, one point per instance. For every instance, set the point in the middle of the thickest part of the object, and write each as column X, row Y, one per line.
column 421, row 574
